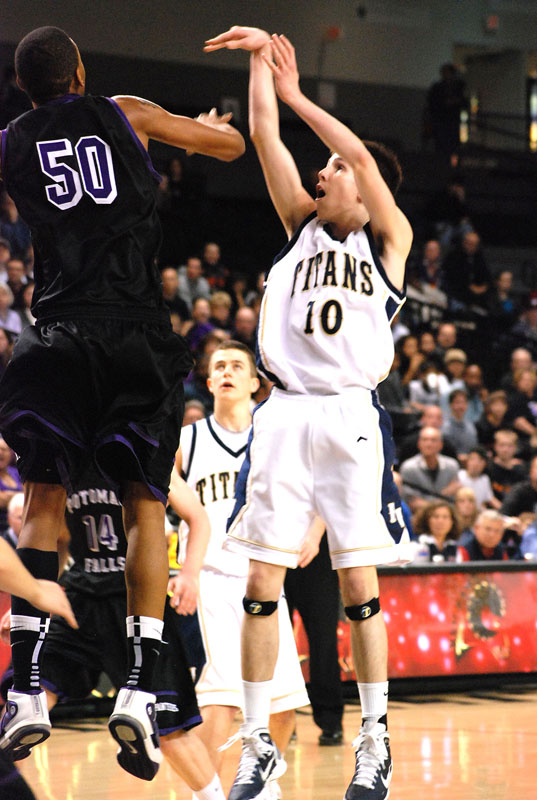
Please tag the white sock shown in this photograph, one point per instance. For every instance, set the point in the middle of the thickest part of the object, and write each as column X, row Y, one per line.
column 149, row 627
column 213, row 791
column 373, row 699
column 257, row 697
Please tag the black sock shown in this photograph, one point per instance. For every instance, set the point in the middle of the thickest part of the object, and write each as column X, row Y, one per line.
column 144, row 637
column 29, row 625
column 382, row 720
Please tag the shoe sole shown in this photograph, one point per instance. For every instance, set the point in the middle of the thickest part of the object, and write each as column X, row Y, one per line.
column 133, row 756
column 19, row 743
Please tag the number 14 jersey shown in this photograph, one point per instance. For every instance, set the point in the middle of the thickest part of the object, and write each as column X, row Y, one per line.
column 325, row 318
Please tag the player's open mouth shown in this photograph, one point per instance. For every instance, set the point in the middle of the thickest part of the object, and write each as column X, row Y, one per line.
column 320, row 191
column 227, row 385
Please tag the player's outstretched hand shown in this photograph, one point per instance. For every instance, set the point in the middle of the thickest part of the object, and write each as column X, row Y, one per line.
column 213, row 119
column 238, row 37
column 49, row 596
column 284, row 68
column 183, row 589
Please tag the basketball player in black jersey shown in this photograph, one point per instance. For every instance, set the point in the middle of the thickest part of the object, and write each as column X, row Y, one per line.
column 100, row 374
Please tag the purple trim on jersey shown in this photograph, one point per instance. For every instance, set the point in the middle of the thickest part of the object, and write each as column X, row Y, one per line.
column 134, row 427
column 140, row 146
column 116, row 437
column 52, row 688
column 379, row 265
column 66, row 98
column 13, row 775
column 3, row 142
column 46, row 423
column 189, row 723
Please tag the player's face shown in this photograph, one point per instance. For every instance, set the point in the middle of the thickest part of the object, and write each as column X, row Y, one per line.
column 337, row 192
column 230, row 375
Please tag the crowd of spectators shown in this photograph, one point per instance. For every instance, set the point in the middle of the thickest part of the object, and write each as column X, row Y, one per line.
column 462, row 391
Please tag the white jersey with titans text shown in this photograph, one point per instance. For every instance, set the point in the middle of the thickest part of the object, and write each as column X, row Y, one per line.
column 212, row 458
column 325, row 318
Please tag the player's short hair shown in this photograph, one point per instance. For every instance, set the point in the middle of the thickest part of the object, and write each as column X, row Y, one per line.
column 45, row 62
column 233, row 344
column 388, row 164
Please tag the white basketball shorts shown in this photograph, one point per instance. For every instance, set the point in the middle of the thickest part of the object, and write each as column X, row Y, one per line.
column 319, row 455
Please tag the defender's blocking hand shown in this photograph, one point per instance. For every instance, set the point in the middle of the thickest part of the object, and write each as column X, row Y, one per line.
column 238, row 37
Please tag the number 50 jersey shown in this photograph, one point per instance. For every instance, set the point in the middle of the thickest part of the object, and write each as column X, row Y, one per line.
column 84, row 184
column 324, row 324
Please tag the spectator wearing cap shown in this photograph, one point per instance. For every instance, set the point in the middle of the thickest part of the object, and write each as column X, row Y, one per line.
column 460, row 432
column 454, row 365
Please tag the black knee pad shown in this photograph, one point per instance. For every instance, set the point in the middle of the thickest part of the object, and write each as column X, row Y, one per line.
column 259, row 608
column 364, row 611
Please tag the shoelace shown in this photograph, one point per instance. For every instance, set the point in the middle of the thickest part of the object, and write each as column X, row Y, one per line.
column 253, row 748
column 369, row 759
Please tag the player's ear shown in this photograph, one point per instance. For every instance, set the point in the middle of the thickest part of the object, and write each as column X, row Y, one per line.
column 255, row 385
column 210, row 384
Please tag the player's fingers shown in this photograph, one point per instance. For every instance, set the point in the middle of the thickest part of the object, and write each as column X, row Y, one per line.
column 276, row 46
column 287, row 44
column 270, row 63
column 282, row 49
column 222, row 38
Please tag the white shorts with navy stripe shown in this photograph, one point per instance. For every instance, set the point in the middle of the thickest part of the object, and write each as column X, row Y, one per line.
column 319, row 455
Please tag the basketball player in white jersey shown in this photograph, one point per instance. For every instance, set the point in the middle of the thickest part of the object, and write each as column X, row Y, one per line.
column 211, row 454
column 321, row 443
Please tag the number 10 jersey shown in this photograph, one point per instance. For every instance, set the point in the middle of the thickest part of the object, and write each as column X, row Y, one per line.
column 325, row 317
column 84, row 184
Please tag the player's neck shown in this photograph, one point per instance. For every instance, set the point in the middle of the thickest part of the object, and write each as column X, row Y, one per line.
column 234, row 416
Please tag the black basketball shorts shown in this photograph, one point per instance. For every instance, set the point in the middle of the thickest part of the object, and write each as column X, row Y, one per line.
column 105, row 389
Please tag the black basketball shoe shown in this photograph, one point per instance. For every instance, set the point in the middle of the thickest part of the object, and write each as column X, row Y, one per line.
column 260, row 764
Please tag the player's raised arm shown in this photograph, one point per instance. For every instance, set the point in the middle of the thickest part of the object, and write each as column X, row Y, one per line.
column 289, row 197
column 386, row 218
column 209, row 134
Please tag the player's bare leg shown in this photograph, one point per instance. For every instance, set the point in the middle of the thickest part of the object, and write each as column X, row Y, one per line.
column 133, row 721
column 26, row 721
column 214, row 730
column 260, row 759
column 188, row 757
column 369, row 642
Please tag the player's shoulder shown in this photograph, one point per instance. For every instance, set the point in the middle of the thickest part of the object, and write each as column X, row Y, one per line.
column 304, row 228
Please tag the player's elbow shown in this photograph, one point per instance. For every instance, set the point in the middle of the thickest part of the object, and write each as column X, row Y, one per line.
column 234, row 149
